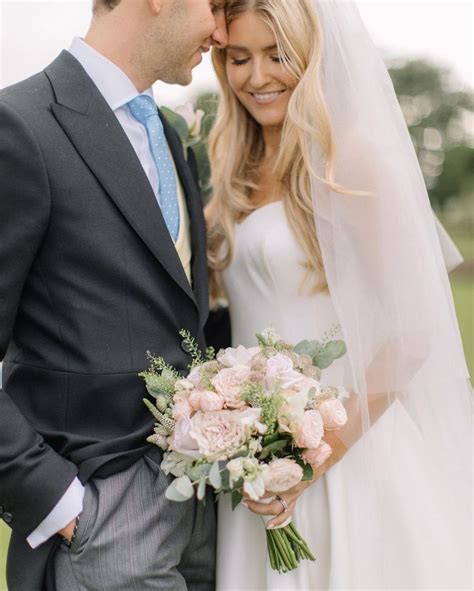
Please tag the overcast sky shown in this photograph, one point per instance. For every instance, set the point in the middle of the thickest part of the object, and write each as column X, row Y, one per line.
column 33, row 32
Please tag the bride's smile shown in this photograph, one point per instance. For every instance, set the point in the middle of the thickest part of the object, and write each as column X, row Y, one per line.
column 256, row 70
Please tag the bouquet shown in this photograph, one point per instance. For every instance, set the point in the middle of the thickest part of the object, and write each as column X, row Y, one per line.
column 247, row 422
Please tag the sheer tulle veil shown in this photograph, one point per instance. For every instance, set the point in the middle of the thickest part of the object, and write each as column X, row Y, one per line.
column 388, row 281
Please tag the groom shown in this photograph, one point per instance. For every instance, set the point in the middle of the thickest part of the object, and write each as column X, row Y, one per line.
column 102, row 257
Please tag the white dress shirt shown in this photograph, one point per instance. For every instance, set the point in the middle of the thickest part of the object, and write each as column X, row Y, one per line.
column 117, row 89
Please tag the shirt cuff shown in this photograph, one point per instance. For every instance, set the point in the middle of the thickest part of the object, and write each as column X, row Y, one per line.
column 68, row 508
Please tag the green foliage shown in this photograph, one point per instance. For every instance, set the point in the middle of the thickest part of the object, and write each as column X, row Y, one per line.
column 307, row 471
column 236, row 497
column 254, row 395
column 207, row 102
column 434, row 110
column 322, row 355
column 177, row 122
column 192, row 347
column 273, row 448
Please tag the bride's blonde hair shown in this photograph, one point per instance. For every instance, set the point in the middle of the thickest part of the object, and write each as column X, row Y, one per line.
column 236, row 141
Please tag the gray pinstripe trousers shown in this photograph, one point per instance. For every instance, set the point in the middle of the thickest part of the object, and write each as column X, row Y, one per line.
column 131, row 538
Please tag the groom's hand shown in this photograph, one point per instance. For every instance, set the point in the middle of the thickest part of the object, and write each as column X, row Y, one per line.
column 68, row 531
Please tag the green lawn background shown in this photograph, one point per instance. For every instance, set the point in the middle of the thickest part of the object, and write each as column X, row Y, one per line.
column 463, row 290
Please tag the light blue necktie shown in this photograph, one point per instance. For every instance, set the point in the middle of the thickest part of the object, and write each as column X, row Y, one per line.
column 143, row 108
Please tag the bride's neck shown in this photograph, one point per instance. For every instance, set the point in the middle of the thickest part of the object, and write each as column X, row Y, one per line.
column 271, row 140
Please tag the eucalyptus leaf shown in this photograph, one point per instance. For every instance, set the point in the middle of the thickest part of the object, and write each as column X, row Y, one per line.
column 306, row 347
column 337, row 349
column 180, row 489
column 273, row 447
column 215, row 476
column 201, row 491
column 236, row 497
column 329, row 353
column 177, row 122
column 307, row 472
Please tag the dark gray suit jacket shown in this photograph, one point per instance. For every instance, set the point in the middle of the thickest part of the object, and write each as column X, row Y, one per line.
column 89, row 281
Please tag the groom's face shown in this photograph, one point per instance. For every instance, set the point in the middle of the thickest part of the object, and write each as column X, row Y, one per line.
column 190, row 27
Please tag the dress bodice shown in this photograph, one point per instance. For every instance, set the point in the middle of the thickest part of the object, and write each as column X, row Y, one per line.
column 264, row 284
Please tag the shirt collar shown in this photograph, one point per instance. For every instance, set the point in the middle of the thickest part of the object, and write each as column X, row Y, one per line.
column 114, row 85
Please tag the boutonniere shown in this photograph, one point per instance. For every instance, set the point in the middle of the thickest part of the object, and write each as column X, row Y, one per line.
column 186, row 122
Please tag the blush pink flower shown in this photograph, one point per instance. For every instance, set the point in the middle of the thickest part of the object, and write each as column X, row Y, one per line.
column 181, row 408
column 281, row 475
column 238, row 356
column 317, row 457
column 229, row 383
column 310, row 430
column 333, row 413
column 206, row 400
column 218, row 434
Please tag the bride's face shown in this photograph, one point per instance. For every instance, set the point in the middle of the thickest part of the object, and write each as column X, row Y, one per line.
column 255, row 70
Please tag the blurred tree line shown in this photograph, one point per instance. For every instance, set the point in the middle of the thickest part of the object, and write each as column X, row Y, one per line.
column 440, row 120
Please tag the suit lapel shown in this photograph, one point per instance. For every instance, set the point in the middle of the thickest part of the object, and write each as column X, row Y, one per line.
column 99, row 138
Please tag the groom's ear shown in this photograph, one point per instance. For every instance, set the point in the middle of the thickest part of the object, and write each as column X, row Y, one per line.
column 155, row 5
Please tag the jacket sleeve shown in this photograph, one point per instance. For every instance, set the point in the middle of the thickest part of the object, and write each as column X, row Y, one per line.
column 33, row 477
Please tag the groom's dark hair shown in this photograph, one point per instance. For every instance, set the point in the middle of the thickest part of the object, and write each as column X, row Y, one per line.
column 99, row 5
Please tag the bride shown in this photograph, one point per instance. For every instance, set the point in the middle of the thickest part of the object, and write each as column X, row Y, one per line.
column 320, row 227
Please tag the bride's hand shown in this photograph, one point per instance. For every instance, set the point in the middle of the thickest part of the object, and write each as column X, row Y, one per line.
column 276, row 507
column 292, row 495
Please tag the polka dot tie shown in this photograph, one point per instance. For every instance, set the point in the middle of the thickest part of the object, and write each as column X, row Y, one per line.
column 143, row 108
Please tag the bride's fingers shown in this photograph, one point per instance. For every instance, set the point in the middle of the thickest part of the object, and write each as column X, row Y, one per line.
column 273, row 508
column 280, row 519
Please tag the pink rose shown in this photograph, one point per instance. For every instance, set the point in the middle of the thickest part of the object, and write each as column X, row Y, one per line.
column 181, row 408
column 218, row 434
column 310, row 430
column 281, row 475
column 317, row 457
column 229, row 382
column 206, row 400
column 333, row 413
column 194, row 376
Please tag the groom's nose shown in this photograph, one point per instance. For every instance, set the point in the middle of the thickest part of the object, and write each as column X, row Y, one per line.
column 220, row 37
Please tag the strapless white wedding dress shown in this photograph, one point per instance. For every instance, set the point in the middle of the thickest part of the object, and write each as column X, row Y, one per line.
column 413, row 548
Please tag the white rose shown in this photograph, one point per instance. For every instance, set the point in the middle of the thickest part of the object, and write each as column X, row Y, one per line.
column 236, row 470
column 291, row 413
column 280, row 371
column 249, row 417
column 193, row 118
column 255, row 487
column 182, row 439
column 239, row 356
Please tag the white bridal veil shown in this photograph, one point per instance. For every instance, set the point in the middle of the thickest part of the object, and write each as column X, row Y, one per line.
column 411, row 415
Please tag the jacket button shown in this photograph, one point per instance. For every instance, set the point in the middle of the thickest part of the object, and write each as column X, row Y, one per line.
column 7, row 517
column 185, row 347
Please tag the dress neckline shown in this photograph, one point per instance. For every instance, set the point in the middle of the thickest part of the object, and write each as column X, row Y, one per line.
column 255, row 211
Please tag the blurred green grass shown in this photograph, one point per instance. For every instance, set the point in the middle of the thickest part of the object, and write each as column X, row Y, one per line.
column 463, row 291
